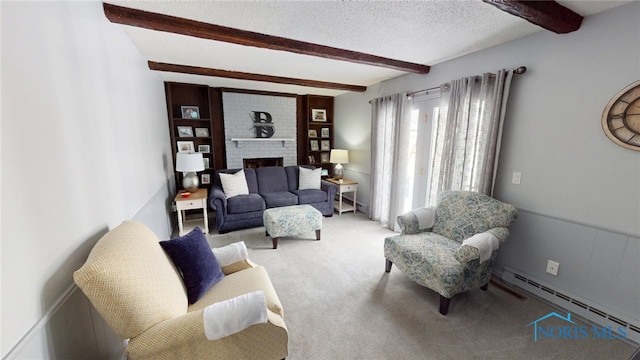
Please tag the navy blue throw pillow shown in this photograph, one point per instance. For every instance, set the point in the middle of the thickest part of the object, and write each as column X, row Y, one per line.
column 198, row 266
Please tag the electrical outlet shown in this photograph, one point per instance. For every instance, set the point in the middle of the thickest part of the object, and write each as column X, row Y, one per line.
column 552, row 267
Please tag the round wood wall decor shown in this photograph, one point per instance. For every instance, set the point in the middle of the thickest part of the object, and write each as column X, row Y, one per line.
column 621, row 117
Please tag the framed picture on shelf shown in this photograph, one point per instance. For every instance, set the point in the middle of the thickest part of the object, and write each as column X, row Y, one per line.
column 314, row 145
column 324, row 157
column 319, row 115
column 185, row 131
column 202, row 132
column 313, row 133
column 325, row 145
column 190, row 112
column 205, row 178
column 312, row 159
column 204, row 148
column 185, row 146
column 324, row 132
column 206, row 162
column 324, row 172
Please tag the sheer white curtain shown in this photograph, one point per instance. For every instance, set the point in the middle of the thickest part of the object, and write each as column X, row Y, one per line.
column 389, row 132
column 468, row 134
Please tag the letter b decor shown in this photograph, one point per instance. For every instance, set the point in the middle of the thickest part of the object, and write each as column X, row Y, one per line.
column 263, row 125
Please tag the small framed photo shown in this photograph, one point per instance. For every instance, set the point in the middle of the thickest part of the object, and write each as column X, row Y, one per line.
column 202, row 132
column 206, row 162
column 324, row 132
column 325, row 145
column 190, row 112
column 313, row 133
column 324, row 172
column 205, row 178
column 324, row 157
column 185, row 146
column 314, row 145
column 312, row 159
column 185, row 131
column 204, row 148
column 319, row 115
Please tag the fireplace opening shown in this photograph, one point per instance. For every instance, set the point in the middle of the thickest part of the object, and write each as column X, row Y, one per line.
column 259, row 162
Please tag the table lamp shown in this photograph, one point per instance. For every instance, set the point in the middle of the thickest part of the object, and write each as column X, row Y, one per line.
column 188, row 164
column 338, row 157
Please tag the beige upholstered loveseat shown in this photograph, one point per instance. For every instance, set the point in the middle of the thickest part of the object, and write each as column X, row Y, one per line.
column 136, row 288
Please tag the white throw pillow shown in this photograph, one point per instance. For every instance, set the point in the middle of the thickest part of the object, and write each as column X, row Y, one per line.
column 234, row 184
column 309, row 178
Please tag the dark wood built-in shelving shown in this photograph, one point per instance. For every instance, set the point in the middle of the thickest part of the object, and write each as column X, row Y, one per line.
column 306, row 104
column 209, row 104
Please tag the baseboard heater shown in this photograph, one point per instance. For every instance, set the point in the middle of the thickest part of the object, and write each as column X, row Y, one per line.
column 573, row 303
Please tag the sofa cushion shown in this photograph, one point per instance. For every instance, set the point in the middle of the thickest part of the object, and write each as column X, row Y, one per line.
column 309, row 179
column 234, row 184
column 310, row 196
column 276, row 199
column 245, row 203
column 192, row 255
column 271, row 179
column 132, row 292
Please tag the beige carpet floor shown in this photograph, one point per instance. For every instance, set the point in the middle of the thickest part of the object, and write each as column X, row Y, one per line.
column 340, row 304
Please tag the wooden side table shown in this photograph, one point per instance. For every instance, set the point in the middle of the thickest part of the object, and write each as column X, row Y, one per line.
column 344, row 187
column 197, row 200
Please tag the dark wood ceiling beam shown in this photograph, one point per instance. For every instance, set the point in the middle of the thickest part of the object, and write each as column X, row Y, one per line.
column 547, row 14
column 172, row 24
column 194, row 70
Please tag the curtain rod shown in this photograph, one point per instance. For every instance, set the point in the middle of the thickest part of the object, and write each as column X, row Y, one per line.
column 518, row 71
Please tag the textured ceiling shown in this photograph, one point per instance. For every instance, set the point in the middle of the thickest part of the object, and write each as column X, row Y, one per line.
column 425, row 32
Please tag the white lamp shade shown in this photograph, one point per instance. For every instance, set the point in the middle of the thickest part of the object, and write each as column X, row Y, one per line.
column 339, row 156
column 189, row 162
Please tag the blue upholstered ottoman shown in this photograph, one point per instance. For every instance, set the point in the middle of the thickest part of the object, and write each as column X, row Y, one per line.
column 291, row 220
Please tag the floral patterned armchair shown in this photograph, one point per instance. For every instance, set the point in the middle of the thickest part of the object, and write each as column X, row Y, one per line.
column 451, row 248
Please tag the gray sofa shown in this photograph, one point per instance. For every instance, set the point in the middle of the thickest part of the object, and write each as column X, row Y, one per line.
column 269, row 187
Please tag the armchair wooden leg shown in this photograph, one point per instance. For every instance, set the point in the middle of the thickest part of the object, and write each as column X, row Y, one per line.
column 387, row 265
column 484, row 287
column 444, row 305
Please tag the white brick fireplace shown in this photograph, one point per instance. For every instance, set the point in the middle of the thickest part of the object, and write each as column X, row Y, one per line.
column 243, row 112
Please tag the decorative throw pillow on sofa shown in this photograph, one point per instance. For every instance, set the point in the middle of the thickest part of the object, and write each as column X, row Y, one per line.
column 309, row 178
column 198, row 266
column 234, row 184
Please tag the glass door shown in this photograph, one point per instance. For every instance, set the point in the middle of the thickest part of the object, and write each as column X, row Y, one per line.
column 423, row 114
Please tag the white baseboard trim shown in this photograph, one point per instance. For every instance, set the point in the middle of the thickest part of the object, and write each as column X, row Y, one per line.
column 40, row 325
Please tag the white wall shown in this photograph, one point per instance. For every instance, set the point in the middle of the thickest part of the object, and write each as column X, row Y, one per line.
column 84, row 146
column 553, row 135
